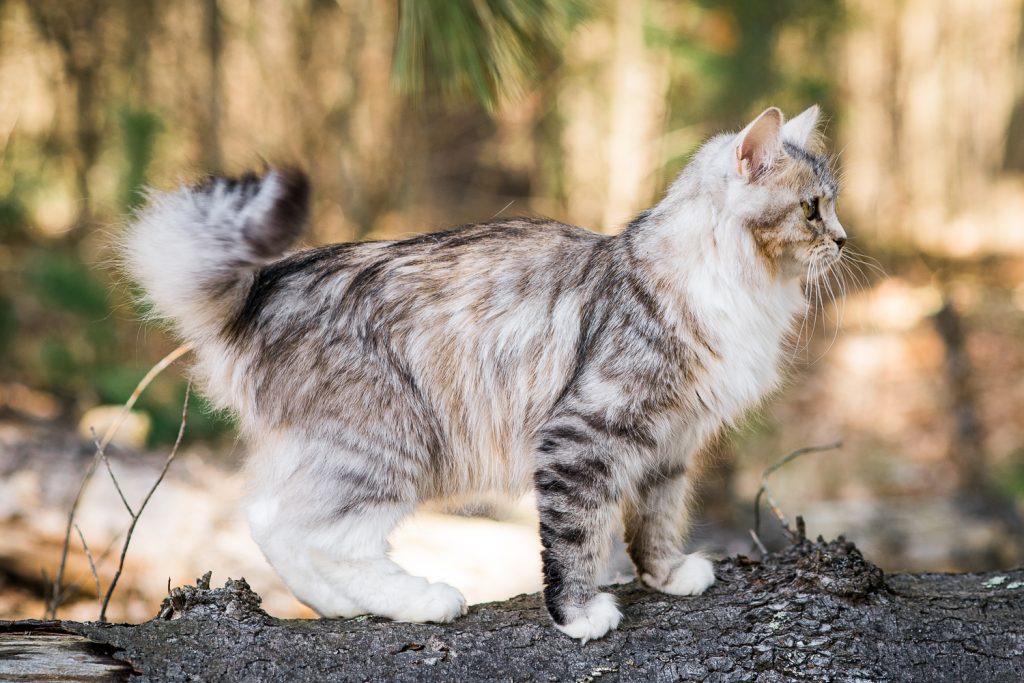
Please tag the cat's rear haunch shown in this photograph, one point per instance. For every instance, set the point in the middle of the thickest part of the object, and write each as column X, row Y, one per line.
column 519, row 353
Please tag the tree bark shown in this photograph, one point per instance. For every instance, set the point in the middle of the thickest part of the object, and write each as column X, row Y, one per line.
column 816, row 611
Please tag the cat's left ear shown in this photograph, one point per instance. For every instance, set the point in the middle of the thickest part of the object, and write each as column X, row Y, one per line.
column 759, row 144
column 802, row 130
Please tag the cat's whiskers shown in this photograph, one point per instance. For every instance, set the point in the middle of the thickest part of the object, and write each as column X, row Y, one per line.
column 807, row 329
column 835, row 306
column 807, row 310
column 865, row 260
column 841, row 273
column 864, row 264
column 818, row 289
column 854, row 273
column 819, row 305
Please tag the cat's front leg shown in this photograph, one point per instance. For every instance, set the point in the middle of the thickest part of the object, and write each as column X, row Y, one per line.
column 657, row 521
column 577, row 501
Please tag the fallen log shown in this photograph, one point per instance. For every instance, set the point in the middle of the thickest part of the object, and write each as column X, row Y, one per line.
column 815, row 611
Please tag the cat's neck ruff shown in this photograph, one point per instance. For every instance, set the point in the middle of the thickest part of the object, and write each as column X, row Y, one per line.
column 705, row 262
column 708, row 273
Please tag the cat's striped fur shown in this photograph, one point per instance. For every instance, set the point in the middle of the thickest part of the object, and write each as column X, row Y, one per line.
column 503, row 356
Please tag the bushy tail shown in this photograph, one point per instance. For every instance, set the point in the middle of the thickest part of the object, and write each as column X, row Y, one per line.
column 194, row 250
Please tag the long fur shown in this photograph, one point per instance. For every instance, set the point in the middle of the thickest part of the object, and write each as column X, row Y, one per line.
column 495, row 357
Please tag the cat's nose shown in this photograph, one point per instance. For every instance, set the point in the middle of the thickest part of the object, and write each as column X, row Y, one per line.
column 840, row 241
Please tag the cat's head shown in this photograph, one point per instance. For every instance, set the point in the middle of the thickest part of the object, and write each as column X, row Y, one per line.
column 779, row 184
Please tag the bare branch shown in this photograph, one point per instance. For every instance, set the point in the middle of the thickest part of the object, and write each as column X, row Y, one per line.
column 758, row 543
column 145, row 501
column 57, row 593
column 143, row 383
column 53, row 602
column 110, row 471
column 92, row 565
column 776, row 510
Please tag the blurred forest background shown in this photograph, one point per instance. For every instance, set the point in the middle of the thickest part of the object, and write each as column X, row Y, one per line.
column 413, row 116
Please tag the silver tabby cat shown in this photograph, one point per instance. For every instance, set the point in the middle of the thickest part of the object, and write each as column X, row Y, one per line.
column 369, row 377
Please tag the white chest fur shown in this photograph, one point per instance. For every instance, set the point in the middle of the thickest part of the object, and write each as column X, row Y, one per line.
column 747, row 332
column 744, row 314
column 708, row 266
column 747, row 329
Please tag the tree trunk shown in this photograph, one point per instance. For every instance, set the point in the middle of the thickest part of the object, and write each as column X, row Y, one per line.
column 210, row 133
column 816, row 611
column 76, row 29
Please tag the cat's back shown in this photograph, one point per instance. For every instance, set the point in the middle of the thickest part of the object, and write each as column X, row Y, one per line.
column 485, row 267
column 517, row 247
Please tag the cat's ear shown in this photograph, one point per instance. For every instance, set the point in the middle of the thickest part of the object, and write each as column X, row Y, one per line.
column 758, row 144
column 803, row 129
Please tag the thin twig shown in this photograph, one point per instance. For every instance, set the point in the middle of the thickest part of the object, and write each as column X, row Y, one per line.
column 92, row 565
column 110, row 471
column 58, row 589
column 758, row 543
column 103, row 556
column 776, row 510
column 58, row 581
column 143, row 383
column 145, row 501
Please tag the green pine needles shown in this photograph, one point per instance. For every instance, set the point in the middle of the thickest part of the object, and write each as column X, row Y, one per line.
column 487, row 49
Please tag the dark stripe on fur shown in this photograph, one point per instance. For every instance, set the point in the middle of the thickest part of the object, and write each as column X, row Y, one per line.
column 816, row 162
column 271, row 279
column 553, row 580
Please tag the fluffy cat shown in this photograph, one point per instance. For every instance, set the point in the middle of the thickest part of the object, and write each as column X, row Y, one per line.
column 519, row 353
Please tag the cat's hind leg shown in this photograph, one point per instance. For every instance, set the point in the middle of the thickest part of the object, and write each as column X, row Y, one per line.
column 286, row 552
column 351, row 554
column 325, row 529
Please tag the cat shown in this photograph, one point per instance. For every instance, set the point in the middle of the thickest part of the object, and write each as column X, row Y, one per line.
column 515, row 354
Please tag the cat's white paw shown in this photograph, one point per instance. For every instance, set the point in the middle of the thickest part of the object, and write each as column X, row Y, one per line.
column 439, row 603
column 694, row 576
column 600, row 616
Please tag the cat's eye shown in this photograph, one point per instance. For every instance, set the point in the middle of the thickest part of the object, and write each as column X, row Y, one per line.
column 811, row 209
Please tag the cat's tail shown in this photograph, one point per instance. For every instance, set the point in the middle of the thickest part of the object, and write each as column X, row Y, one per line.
column 194, row 251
